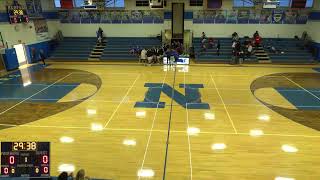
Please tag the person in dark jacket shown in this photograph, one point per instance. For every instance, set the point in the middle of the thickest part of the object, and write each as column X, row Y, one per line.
column 33, row 54
column 218, row 47
column 159, row 53
column 42, row 56
column 150, row 55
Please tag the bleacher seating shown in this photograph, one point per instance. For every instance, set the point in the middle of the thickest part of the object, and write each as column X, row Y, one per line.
column 74, row 48
column 293, row 53
column 118, row 47
column 210, row 55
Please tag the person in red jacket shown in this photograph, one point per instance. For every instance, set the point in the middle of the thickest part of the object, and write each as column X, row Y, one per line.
column 257, row 40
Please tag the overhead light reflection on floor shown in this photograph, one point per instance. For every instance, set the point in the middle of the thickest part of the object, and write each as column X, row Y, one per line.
column 256, row 132
column 283, row 178
column 218, row 146
column 264, row 117
column 141, row 114
column 288, row 148
column 66, row 168
column 27, row 83
column 146, row 173
column 129, row 142
column 193, row 131
column 96, row 127
column 209, row 116
column 66, row 139
column 91, row 111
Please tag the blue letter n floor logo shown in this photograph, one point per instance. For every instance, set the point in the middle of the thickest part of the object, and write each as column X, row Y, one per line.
column 191, row 99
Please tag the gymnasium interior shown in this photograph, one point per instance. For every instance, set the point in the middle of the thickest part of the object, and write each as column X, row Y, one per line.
column 160, row 89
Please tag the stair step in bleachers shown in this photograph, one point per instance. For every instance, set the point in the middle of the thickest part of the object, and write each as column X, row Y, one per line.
column 262, row 55
column 97, row 51
column 289, row 51
column 210, row 55
column 117, row 48
column 73, row 49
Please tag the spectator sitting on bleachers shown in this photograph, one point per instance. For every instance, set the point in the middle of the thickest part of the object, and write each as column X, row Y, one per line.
column 63, row 176
column 210, row 43
column 135, row 50
column 175, row 44
column 233, row 46
column 81, row 175
column 99, row 41
column 235, row 36
column 203, row 36
column 256, row 34
column 236, row 50
column 203, row 47
column 249, row 50
column 273, row 49
column 179, row 49
column 174, row 54
column 257, row 41
column 306, row 40
column 159, row 54
column 143, row 55
column 150, row 56
column 247, row 40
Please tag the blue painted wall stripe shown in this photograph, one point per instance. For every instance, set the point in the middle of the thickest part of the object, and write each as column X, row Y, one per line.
column 4, row 17
column 188, row 15
column 314, row 16
column 50, row 15
column 168, row 15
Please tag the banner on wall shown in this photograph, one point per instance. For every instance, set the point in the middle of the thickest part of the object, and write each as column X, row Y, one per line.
column 265, row 17
column 232, row 16
column 221, row 16
column 290, row 17
column 277, row 16
column 112, row 16
column 41, row 29
column 243, row 16
column 302, row 17
column 34, row 8
column 254, row 17
column 66, row 4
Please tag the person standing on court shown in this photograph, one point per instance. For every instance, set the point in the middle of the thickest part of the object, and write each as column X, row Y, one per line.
column 42, row 56
column 218, row 48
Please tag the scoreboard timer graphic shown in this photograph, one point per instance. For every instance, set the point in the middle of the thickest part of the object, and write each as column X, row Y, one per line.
column 17, row 14
column 25, row 159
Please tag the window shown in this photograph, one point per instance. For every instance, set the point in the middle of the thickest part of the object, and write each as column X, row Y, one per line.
column 196, row 2
column 285, row 3
column 78, row 3
column 115, row 3
column 142, row 3
column 309, row 4
column 57, row 4
column 243, row 3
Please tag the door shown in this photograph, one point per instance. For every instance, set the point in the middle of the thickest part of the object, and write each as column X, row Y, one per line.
column 177, row 20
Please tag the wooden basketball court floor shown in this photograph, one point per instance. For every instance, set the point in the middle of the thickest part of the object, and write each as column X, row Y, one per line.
column 199, row 122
